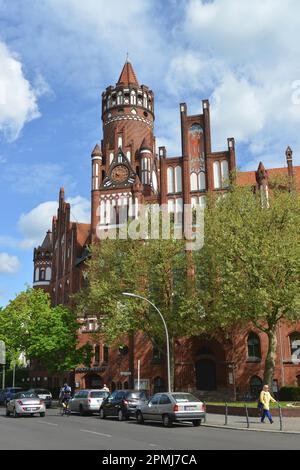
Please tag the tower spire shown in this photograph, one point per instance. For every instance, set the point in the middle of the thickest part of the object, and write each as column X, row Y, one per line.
column 127, row 76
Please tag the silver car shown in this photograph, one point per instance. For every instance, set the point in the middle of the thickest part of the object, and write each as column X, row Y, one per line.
column 170, row 407
column 87, row 401
column 25, row 403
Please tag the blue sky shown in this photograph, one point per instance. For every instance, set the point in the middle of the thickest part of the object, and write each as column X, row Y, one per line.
column 57, row 56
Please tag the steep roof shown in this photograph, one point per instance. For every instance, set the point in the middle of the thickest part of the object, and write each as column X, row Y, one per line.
column 128, row 76
column 248, row 178
column 47, row 243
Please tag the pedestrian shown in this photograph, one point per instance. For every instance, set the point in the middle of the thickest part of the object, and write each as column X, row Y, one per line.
column 265, row 398
column 105, row 388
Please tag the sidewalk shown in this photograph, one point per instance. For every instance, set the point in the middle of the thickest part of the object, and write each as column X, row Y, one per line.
column 290, row 425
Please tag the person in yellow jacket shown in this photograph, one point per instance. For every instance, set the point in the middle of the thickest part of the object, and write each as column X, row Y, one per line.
column 265, row 398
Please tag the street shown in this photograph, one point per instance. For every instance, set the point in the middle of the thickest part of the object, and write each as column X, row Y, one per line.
column 90, row 433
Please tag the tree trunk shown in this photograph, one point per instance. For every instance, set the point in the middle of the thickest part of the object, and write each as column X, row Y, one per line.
column 172, row 365
column 271, row 358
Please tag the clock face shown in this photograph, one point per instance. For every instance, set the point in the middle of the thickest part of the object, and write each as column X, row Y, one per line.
column 119, row 173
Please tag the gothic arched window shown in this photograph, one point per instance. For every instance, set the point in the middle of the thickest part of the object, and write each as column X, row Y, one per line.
column 253, row 343
column 194, row 182
column 225, row 173
column 295, row 343
column 217, row 175
column 170, row 178
column 178, row 179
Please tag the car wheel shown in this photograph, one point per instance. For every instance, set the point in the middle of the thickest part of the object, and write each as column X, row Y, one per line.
column 140, row 418
column 196, row 422
column 121, row 416
column 167, row 422
column 16, row 414
column 42, row 414
column 102, row 414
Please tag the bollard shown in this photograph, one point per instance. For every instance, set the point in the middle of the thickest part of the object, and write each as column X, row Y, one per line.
column 247, row 416
column 226, row 414
column 280, row 417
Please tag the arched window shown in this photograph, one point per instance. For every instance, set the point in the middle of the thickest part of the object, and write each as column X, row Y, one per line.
column 295, row 344
column 156, row 355
column 48, row 274
column 37, row 274
column 97, row 355
column 202, row 181
column 225, row 173
column 178, row 179
column 202, row 201
column 255, row 386
column 170, row 178
column 133, row 97
column 105, row 353
column 158, row 385
column 194, row 182
column 42, row 274
column 145, row 101
column 253, row 342
column 217, row 175
column 145, row 167
column 120, row 98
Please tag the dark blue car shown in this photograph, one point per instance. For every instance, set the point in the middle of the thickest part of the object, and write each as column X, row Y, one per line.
column 8, row 394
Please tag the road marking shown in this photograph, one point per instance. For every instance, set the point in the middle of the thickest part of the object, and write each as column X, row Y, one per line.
column 47, row 422
column 93, row 432
column 154, row 445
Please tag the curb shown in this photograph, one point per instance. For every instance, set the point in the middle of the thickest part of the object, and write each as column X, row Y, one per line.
column 223, row 426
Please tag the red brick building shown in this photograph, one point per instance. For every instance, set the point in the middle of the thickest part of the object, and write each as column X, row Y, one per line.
column 127, row 171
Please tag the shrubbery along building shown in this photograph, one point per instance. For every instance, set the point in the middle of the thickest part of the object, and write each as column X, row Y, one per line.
column 127, row 171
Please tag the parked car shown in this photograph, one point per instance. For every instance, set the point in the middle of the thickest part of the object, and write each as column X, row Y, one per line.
column 8, row 393
column 123, row 403
column 171, row 407
column 44, row 395
column 25, row 403
column 87, row 401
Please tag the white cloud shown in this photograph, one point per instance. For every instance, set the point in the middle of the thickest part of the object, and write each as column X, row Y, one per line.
column 18, row 100
column 34, row 224
column 9, row 264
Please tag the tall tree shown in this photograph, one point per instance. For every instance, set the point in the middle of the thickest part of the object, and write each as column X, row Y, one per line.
column 155, row 269
column 29, row 325
column 249, row 269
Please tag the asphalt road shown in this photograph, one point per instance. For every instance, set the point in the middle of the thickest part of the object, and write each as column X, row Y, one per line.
column 89, row 432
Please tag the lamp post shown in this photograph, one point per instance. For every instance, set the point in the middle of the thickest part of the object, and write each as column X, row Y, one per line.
column 166, row 331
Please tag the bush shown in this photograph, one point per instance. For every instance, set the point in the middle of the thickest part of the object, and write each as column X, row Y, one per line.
column 289, row 393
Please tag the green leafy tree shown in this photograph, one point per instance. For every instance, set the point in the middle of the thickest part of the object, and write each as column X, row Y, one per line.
column 249, row 268
column 155, row 269
column 29, row 325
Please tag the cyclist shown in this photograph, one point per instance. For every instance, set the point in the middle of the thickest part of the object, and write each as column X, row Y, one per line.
column 64, row 396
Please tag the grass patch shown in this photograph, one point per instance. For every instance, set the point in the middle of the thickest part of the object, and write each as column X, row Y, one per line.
column 251, row 404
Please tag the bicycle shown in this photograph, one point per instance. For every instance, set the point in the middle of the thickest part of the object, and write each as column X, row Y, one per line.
column 64, row 408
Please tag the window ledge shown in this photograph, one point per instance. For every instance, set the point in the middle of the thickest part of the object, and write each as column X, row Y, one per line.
column 253, row 359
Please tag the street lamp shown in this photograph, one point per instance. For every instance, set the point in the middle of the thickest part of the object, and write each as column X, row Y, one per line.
column 166, row 331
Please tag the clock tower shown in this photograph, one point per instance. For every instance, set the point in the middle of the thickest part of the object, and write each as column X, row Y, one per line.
column 125, row 168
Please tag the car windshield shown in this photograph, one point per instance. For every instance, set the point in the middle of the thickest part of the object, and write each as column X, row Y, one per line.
column 26, row 395
column 184, row 397
column 137, row 395
column 99, row 394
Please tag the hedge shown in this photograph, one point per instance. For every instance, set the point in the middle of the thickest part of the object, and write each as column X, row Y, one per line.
column 289, row 393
